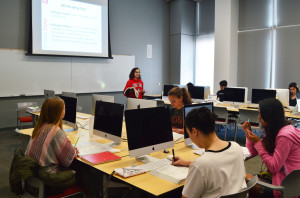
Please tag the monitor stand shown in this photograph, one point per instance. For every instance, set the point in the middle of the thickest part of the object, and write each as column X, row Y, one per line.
column 74, row 128
column 193, row 146
column 112, row 144
column 146, row 159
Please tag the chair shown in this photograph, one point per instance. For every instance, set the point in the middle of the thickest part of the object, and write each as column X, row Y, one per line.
column 244, row 192
column 35, row 183
column 252, row 117
column 22, row 115
column 289, row 186
column 222, row 114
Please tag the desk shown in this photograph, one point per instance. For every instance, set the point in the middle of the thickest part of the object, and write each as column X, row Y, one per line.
column 147, row 182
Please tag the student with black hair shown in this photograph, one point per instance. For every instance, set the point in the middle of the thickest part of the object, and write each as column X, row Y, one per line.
column 293, row 87
column 205, row 177
column 220, row 93
column 134, row 87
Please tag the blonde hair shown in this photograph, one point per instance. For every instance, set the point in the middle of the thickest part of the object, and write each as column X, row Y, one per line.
column 51, row 113
column 178, row 92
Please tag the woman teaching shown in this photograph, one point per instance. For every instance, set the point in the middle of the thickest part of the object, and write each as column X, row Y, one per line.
column 134, row 87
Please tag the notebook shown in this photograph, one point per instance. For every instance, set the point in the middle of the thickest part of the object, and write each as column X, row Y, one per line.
column 100, row 158
column 174, row 174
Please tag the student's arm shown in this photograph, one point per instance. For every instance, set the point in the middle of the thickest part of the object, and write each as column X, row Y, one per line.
column 181, row 162
column 275, row 161
column 65, row 151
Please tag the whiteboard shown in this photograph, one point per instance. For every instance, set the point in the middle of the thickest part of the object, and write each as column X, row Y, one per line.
column 30, row 75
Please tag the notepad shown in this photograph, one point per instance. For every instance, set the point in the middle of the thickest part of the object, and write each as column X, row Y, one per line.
column 100, row 158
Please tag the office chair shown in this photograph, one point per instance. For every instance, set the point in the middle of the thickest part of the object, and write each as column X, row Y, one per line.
column 289, row 186
column 22, row 115
column 244, row 192
column 223, row 119
column 252, row 117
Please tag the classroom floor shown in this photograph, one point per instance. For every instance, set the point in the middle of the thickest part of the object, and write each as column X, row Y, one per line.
column 10, row 140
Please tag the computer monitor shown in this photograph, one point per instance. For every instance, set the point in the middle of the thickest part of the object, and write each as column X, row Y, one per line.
column 105, row 98
column 261, row 94
column 49, row 93
column 134, row 103
column 189, row 108
column 167, row 88
column 235, row 94
column 298, row 101
column 283, row 95
column 69, row 94
column 108, row 120
column 70, row 111
column 199, row 92
column 148, row 130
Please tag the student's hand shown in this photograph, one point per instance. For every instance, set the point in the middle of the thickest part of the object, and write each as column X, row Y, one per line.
column 76, row 152
column 246, row 126
column 181, row 162
column 251, row 136
column 176, row 130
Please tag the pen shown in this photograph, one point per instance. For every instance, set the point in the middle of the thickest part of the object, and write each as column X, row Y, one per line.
column 76, row 141
column 173, row 155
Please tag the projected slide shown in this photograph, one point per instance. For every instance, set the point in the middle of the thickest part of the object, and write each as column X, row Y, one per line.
column 70, row 27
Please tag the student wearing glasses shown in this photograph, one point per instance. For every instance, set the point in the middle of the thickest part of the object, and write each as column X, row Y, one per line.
column 293, row 87
column 134, row 87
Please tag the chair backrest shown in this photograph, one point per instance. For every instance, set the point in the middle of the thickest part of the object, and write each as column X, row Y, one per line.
column 250, row 115
column 291, row 184
column 221, row 112
column 243, row 193
column 22, row 106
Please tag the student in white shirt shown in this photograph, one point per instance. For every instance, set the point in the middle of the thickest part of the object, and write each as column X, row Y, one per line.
column 220, row 170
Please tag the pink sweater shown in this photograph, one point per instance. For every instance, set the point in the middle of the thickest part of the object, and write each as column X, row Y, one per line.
column 286, row 154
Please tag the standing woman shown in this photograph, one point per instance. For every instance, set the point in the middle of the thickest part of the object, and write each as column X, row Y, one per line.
column 293, row 87
column 178, row 97
column 279, row 149
column 134, row 87
column 49, row 145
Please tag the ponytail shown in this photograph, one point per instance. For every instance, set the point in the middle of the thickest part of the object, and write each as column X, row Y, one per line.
column 178, row 92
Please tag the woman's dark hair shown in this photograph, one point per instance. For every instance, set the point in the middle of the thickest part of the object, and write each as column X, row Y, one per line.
column 131, row 75
column 223, row 83
column 202, row 119
column 271, row 111
column 178, row 92
column 293, row 84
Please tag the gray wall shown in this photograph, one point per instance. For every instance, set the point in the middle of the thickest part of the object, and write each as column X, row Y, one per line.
column 133, row 25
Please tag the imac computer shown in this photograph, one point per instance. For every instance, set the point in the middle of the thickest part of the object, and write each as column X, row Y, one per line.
column 261, row 94
column 49, row 93
column 298, row 103
column 108, row 121
column 70, row 112
column 235, row 94
column 105, row 98
column 148, row 130
column 134, row 103
column 186, row 110
column 166, row 90
column 283, row 95
column 199, row 92
column 69, row 94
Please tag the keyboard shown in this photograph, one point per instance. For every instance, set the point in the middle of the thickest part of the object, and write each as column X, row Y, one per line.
column 93, row 148
column 136, row 170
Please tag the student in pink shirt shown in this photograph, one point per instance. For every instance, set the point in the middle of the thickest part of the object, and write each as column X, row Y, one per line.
column 279, row 149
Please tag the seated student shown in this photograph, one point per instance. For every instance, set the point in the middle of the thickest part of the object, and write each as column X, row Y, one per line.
column 279, row 149
column 178, row 97
column 205, row 177
column 293, row 87
column 49, row 145
column 220, row 93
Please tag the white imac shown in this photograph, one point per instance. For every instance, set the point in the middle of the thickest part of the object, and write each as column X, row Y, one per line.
column 148, row 130
column 283, row 95
column 298, row 103
column 235, row 95
column 70, row 112
column 69, row 94
column 199, row 92
column 186, row 109
column 166, row 90
column 49, row 93
column 134, row 103
column 105, row 98
column 108, row 121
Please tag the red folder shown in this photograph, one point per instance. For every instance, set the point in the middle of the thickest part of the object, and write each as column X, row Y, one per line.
column 100, row 158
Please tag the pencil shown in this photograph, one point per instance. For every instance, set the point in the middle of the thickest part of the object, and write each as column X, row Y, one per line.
column 76, row 141
column 173, row 155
